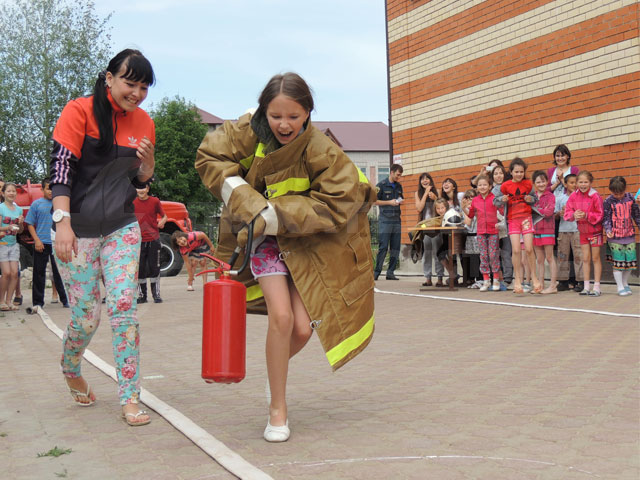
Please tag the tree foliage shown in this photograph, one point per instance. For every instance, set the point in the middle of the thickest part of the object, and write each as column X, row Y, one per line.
column 179, row 132
column 50, row 52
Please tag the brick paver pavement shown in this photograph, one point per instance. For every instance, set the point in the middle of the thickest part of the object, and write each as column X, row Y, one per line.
column 446, row 390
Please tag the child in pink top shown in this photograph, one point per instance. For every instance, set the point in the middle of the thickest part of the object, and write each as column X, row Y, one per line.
column 585, row 207
column 487, row 234
column 191, row 246
column 544, row 237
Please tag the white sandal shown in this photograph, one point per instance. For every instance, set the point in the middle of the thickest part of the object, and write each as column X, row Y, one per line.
column 76, row 394
column 134, row 416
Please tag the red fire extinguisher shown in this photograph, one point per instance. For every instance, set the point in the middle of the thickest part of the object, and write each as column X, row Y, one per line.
column 224, row 322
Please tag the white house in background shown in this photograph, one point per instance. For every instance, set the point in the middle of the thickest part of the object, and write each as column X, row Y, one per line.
column 366, row 143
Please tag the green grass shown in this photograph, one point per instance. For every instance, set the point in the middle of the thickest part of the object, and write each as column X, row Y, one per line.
column 55, row 452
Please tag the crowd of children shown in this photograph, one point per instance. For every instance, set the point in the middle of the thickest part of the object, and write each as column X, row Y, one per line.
column 520, row 228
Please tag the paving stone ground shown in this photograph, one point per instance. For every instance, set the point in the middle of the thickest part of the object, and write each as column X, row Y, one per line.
column 446, row 390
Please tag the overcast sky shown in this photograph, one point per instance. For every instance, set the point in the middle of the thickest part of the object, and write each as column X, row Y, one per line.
column 219, row 54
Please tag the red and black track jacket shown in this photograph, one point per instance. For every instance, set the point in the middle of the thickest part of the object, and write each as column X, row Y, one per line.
column 102, row 186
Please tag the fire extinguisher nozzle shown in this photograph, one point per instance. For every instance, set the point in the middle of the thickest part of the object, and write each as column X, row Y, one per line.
column 234, row 256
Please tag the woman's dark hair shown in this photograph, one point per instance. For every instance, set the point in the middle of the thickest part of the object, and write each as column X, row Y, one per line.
column 506, row 175
column 564, row 150
column 290, row 84
column 539, row 173
column 497, row 162
column 517, row 161
column 444, row 195
column 617, row 184
column 137, row 69
column 174, row 238
column 421, row 188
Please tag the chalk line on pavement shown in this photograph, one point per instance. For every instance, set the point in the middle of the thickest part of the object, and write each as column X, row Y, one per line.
column 336, row 461
column 509, row 304
column 217, row 450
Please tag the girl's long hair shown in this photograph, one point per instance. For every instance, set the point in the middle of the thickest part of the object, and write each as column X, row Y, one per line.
column 421, row 188
column 444, row 195
column 137, row 69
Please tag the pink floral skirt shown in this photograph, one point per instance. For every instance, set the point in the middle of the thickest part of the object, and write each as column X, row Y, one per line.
column 266, row 260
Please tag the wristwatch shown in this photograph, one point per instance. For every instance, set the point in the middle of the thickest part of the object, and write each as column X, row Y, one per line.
column 59, row 214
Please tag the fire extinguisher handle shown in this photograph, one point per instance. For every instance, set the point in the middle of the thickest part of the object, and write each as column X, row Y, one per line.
column 236, row 252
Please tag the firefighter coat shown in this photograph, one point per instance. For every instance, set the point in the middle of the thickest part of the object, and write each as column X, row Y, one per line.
column 316, row 202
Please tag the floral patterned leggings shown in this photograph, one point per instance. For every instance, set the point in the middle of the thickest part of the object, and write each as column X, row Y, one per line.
column 489, row 254
column 114, row 258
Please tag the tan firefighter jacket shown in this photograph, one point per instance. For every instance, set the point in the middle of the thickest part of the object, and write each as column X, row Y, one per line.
column 315, row 201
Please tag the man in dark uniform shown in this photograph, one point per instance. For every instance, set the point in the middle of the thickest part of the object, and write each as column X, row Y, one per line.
column 390, row 197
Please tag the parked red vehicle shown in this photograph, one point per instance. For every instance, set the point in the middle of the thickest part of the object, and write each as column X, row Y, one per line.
column 170, row 261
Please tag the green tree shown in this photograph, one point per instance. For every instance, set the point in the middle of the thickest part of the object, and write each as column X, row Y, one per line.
column 50, row 52
column 179, row 132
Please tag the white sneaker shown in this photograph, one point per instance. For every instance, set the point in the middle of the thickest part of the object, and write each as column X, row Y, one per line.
column 485, row 285
column 277, row 434
column 190, row 288
column 496, row 285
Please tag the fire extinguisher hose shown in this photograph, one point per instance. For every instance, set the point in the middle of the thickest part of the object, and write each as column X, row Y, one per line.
column 236, row 252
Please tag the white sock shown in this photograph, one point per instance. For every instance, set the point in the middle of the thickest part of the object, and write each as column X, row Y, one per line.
column 586, row 284
column 625, row 277
column 617, row 276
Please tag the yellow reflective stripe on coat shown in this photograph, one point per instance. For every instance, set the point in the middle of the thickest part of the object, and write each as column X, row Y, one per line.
column 254, row 292
column 260, row 150
column 341, row 350
column 362, row 177
column 289, row 185
column 246, row 162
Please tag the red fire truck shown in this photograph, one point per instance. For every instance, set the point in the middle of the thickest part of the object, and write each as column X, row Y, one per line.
column 170, row 261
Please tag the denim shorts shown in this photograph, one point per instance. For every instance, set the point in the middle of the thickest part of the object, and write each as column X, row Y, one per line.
column 10, row 253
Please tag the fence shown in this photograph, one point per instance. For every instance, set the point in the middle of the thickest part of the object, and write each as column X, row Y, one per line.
column 205, row 217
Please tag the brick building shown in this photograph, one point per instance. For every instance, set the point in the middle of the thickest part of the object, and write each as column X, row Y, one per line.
column 475, row 80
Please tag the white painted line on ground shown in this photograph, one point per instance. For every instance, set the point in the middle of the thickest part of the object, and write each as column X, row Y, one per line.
column 217, row 450
column 430, row 457
column 508, row 304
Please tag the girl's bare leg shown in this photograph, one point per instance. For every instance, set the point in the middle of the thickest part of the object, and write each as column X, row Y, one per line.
column 516, row 260
column 539, row 253
column 203, row 266
column 301, row 322
column 586, row 264
column 597, row 264
column 551, row 260
column 531, row 260
column 9, row 282
column 281, row 320
column 4, row 281
column 191, row 270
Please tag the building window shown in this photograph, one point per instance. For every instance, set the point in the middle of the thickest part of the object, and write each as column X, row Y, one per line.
column 383, row 172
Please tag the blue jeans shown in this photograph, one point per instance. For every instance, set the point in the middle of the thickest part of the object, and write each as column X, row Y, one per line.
column 389, row 232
